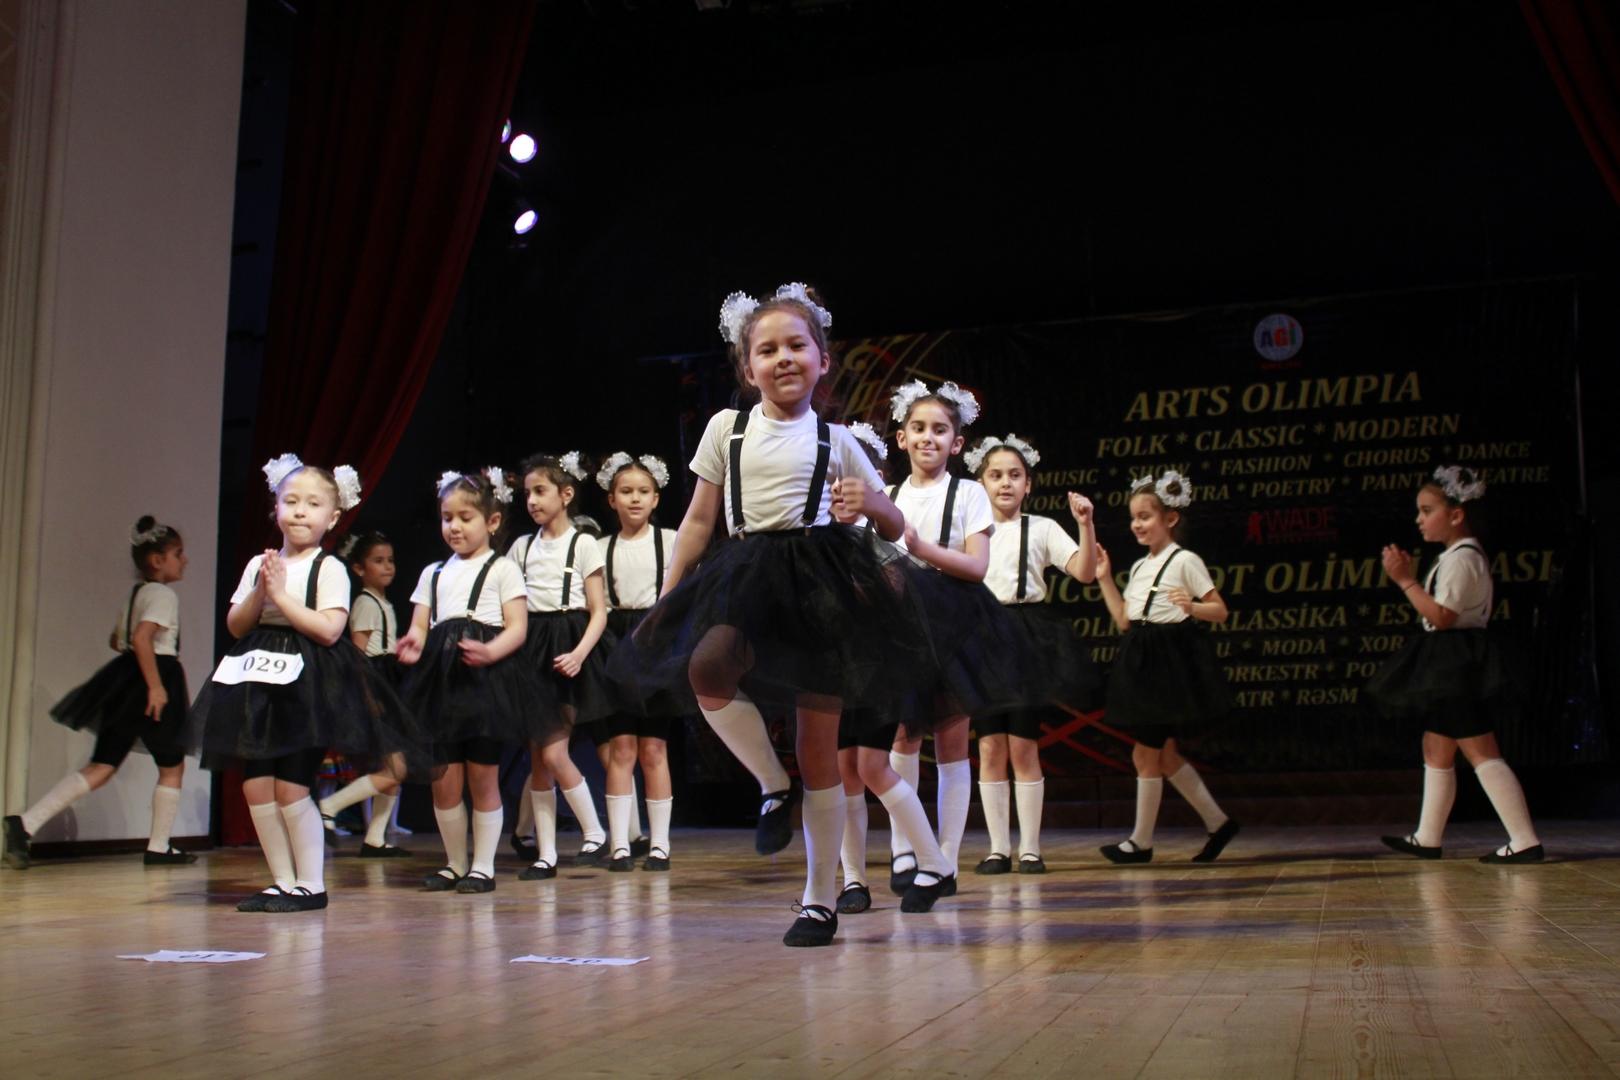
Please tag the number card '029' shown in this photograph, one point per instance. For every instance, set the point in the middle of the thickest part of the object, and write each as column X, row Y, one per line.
column 260, row 666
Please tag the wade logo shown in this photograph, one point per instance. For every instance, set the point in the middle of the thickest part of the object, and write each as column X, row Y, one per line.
column 1277, row 338
column 1304, row 524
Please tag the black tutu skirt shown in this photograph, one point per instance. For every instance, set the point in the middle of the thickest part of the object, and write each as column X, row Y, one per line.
column 1073, row 678
column 622, row 622
column 505, row 702
column 1457, row 683
column 114, row 700
column 388, row 668
column 588, row 696
column 338, row 702
column 821, row 613
column 1166, row 682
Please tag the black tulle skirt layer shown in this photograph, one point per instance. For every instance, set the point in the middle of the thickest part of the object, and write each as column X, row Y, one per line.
column 114, row 700
column 821, row 614
column 388, row 668
column 587, row 697
column 1073, row 677
column 1166, row 682
column 506, row 701
column 1457, row 683
column 622, row 622
column 338, row 702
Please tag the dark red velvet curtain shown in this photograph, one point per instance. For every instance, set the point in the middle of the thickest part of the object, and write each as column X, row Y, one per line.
column 393, row 138
column 1579, row 40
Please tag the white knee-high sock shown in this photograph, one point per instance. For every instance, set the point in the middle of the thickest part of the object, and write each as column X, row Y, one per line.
column 909, row 766
column 1191, row 785
column 382, row 812
column 273, row 841
column 584, row 808
column 359, row 791
column 852, row 856
column 486, row 831
column 742, row 728
column 823, row 829
column 545, row 823
column 63, row 794
column 1439, row 792
column 955, row 794
column 1031, row 801
column 619, row 808
column 907, row 816
column 453, row 831
column 1149, row 793
column 636, row 821
column 658, row 814
column 995, row 797
column 525, row 814
column 1507, row 797
column 165, row 804
column 303, row 820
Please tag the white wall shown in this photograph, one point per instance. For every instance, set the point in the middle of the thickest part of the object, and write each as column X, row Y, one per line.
column 132, row 345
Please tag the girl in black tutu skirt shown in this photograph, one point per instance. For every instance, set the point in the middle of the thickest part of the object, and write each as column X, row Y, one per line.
column 1022, row 548
column 467, row 678
column 1453, row 678
column 796, row 609
column 567, row 614
column 1165, row 684
column 374, row 629
column 140, row 695
column 293, row 686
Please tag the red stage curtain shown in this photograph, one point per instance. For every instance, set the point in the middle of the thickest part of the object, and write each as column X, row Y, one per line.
column 1578, row 39
column 393, row 138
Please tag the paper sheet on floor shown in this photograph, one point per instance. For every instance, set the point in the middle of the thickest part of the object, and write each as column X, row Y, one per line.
column 193, row 956
column 582, row 961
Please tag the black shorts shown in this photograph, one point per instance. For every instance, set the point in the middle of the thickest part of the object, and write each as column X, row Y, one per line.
column 475, row 751
column 1024, row 723
column 299, row 767
column 642, row 727
column 855, row 729
column 112, row 747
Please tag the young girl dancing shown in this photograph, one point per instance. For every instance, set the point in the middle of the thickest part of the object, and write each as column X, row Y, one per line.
column 1165, row 683
column 1021, row 549
column 141, row 694
column 797, row 609
column 465, row 678
column 634, row 575
column 567, row 613
column 374, row 629
column 1452, row 678
column 291, row 687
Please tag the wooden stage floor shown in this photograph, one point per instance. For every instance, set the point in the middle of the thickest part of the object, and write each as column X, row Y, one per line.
column 1304, row 953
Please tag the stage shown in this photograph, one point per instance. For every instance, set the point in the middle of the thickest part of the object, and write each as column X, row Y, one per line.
column 1303, row 953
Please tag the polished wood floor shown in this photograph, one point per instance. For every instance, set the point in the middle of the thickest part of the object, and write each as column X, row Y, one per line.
column 1304, row 953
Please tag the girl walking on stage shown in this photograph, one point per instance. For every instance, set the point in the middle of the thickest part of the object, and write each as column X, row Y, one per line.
column 1453, row 678
column 139, row 695
column 1165, row 684
column 1021, row 549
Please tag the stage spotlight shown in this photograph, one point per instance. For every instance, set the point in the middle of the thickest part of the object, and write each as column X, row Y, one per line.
column 524, row 221
column 522, row 148
column 506, row 132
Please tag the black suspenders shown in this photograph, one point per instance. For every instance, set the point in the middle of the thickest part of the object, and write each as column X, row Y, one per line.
column 818, row 477
column 472, row 599
column 1153, row 591
column 658, row 565
column 1023, row 555
column 568, row 566
column 1428, row 584
column 384, row 614
column 737, row 431
column 945, row 516
column 129, row 619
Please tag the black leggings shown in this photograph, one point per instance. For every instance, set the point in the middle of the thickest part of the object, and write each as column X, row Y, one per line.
column 298, row 767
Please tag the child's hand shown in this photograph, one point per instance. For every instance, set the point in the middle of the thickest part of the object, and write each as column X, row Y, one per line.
column 157, row 699
column 1105, row 568
column 1080, row 507
column 840, row 512
column 1398, row 565
column 851, row 492
column 408, row 648
column 913, row 542
column 273, row 574
column 475, row 653
column 568, row 664
column 1181, row 598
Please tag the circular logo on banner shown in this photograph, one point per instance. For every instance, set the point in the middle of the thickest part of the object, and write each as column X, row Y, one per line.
column 1278, row 337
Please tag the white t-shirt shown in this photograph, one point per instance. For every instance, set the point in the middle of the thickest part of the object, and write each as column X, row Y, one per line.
column 1187, row 571
column 635, row 569
column 505, row 582
column 154, row 603
column 379, row 618
column 1460, row 581
column 924, row 507
column 1049, row 545
column 331, row 591
column 778, row 462
column 543, row 568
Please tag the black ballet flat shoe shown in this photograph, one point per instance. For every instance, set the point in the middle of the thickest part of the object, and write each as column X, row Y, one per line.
column 526, row 850
column 657, row 861
column 921, row 898
column 299, row 899
column 443, row 879
column 1114, row 853
column 621, row 864
column 1408, row 845
column 172, row 857
column 476, row 881
column 383, row 851
column 16, row 843
column 592, row 856
column 810, row 930
column 1528, row 855
column 1217, row 841
column 855, row 899
column 900, row 880
column 994, row 864
column 640, row 847
column 1031, row 864
column 259, row 900
column 329, row 827
column 537, row 871
column 774, row 831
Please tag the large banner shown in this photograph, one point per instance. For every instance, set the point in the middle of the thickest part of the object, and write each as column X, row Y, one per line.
column 1306, row 429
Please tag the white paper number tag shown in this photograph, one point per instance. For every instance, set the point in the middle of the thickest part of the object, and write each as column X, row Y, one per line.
column 260, row 666
column 200, row 956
